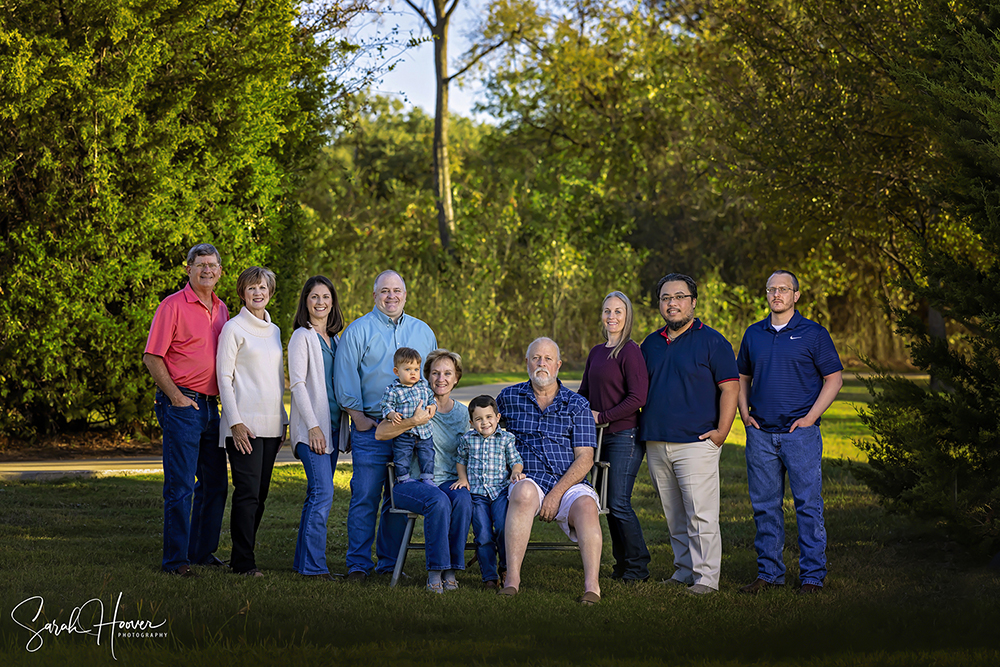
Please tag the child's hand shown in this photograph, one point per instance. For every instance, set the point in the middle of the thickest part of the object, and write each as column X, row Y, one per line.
column 516, row 477
column 394, row 417
column 459, row 485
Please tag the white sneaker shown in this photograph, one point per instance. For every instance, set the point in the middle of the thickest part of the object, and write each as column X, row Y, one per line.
column 699, row 589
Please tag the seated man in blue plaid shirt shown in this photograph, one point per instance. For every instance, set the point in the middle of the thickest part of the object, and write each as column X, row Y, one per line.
column 555, row 434
column 399, row 402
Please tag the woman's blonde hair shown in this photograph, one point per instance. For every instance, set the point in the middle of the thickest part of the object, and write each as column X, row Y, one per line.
column 626, row 328
column 439, row 353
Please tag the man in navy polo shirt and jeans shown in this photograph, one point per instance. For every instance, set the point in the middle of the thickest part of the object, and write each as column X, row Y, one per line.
column 790, row 373
column 690, row 408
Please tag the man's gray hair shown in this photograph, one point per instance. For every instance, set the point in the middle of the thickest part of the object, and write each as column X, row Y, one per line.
column 527, row 352
column 202, row 250
column 385, row 273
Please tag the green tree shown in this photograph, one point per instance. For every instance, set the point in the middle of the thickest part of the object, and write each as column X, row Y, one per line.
column 835, row 167
column 936, row 450
column 130, row 132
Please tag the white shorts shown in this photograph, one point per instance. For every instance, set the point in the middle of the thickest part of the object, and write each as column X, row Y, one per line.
column 570, row 497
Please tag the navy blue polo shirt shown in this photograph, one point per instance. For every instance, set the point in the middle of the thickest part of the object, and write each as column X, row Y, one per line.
column 787, row 369
column 684, row 378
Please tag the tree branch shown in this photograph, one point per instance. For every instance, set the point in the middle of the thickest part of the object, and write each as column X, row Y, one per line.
column 420, row 12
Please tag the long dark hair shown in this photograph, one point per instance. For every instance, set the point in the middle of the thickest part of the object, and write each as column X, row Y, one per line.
column 334, row 319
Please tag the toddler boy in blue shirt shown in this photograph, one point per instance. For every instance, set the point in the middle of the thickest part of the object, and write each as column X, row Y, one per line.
column 488, row 462
column 399, row 402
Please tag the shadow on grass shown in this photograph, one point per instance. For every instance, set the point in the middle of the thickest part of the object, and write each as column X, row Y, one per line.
column 894, row 595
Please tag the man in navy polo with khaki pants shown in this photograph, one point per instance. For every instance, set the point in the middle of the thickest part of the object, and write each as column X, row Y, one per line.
column 790, row 373
column 689, row 410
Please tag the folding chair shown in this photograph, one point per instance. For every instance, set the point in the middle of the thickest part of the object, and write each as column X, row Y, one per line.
column 599, row 479
column 411, row 521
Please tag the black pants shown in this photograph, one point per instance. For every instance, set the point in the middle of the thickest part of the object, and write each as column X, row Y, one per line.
column 251, row 481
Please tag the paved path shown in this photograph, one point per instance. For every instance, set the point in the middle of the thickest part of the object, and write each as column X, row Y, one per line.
column 140, row 465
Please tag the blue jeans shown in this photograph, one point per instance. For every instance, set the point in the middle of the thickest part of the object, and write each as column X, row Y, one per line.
column 627, row 543
column 403, row 448
column 769, row 456
column 369, row 485
column 488, row 519
column 310, row 547
column 193, row 465
column 461, row 517
column 435, row 506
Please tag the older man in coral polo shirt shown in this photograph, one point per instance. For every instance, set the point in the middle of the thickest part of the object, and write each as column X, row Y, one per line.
column 180, row 355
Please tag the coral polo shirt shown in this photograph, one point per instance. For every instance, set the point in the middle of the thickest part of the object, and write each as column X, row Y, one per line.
column 186, row 335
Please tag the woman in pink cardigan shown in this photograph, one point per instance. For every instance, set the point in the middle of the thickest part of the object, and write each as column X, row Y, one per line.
column 316, row 417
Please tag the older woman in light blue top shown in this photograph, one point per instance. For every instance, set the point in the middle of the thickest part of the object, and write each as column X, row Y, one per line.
column 315, row 420
column 449, row 420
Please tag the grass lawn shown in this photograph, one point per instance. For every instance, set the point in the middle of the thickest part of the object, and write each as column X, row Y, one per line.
column 896, row 594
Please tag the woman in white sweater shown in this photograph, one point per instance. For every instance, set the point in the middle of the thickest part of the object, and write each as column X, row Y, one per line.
column 315, row 422
column 250, row 367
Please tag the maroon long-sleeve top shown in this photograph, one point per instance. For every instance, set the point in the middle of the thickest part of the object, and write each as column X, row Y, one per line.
column 616, row 387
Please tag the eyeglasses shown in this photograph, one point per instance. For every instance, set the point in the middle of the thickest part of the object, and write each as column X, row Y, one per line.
column 771, row 291
column 211, row 267
column 667, row 298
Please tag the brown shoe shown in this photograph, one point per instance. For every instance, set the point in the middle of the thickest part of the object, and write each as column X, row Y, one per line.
column 491, row 585
column 589, row 599
column 758, row 586
column 810, row 589
column 182, row 571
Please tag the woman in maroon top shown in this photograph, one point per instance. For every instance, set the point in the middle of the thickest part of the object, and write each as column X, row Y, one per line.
column 615, row 382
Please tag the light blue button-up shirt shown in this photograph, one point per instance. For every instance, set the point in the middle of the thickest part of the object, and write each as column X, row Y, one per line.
column 363, row 367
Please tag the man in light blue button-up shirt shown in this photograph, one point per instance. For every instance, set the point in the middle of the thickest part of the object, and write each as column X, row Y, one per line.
column 362, row 371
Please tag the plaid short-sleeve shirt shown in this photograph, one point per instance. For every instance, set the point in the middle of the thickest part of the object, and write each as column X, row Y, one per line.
column 404, row 400
column 545, row 439
column 488, row 461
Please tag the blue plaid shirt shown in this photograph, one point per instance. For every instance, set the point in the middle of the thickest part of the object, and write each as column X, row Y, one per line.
column 405, row 400
column 488, row 461
column 546, row 439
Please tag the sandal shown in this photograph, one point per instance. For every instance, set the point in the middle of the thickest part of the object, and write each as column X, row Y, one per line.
column 435, row 588
column 507, row 592
column 451, row 585
column 589, row 599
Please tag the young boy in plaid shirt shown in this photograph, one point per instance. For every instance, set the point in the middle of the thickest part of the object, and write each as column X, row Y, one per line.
column 399, row 402
column 488, row 463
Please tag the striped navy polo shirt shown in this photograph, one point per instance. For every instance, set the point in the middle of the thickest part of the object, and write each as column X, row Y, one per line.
column 787, row 369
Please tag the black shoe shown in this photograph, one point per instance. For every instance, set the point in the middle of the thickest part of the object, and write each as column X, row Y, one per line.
column 810, row 589
column 357, row 576
column 182, row 571
column 633, row 582
column 758, row 586
column 213, row 561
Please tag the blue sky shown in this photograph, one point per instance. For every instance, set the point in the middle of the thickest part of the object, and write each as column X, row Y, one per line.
column 412, row 79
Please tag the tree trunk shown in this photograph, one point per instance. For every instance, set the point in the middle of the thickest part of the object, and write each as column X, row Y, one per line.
column 442, row 165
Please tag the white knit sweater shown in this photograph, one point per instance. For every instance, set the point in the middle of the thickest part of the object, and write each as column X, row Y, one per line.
column 251, row 370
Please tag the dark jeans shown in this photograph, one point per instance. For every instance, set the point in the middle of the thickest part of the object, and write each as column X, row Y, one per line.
column 193, row 465
column 403, row 448
column 251, row 481
column 627, row 543
column 488, row 519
